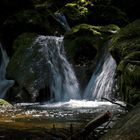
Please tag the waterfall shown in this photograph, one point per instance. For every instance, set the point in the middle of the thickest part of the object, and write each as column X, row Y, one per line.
column 63, row 83
column 62, row 20
column 4, row 83
column 103, row 79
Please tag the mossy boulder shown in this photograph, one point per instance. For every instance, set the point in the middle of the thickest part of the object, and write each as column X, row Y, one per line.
column 125, row 48
column 84, row 37
column 74, row 13
column 84, row 47
column 126, row 41
column 4, row 103
column 28, row 68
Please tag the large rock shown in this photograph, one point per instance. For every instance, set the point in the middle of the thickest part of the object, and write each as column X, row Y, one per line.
column 29, row 70
column 4, row 103
column 125, row 48
column 126, row 129
column 84, row 47
column 76, row 12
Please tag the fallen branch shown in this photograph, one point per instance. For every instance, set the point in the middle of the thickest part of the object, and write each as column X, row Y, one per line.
column 117, row 103
column 92, row 125
column 96, row 123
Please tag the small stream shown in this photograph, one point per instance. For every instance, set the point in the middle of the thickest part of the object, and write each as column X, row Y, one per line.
column 61, row 114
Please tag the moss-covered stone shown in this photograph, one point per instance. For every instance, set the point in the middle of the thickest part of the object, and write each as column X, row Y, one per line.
column 125, row 48
column 75, row 40
column 75, row 13
column 126, row 41
column 4, row 103
column 84, row 37
column 84, row 44
column 28, row 67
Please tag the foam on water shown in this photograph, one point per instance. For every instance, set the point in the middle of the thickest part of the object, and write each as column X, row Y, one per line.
column 72, row 104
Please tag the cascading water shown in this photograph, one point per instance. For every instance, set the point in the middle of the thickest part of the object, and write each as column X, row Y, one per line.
column 4, row 84
column 103, row 79
column 65, row 111
column 62, row 20
column 63, row 82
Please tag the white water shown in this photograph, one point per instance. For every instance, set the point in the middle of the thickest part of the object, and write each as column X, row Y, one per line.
column 72, row 104
column 63, row 82
column 102, row 81
column 76, row 104
column 4, row 83
column 62, row 20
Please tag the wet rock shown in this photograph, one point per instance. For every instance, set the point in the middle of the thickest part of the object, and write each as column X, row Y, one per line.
column 84, row 46
column 125, row 48
column 126, row 129
column 28, row 67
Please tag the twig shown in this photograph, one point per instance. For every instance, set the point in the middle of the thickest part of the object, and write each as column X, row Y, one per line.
column 118, row 103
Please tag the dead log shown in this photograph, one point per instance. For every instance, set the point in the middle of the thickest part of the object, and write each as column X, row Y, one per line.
column 91, row 126
column 96, row 123
column 125, row 107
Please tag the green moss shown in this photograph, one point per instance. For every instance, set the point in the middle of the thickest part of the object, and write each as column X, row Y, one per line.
column 22, row 60
column 87, row 34
column 28, row 65
column 133, row 57
column 121, row 67
column 21, row 46
column 125, row 48
column 132, row 75
column 126, row 41
column 4, row 103
column 134, row 95
column 25, row 40
column 75, row 11
column 81, row 36
column 110, row 29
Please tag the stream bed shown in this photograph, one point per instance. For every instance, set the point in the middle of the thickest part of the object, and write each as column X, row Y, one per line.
column 58, row 115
